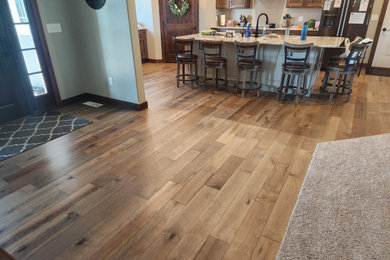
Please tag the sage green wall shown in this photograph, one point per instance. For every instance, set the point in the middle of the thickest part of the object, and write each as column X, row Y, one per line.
column 63, row 48
column 93, row 46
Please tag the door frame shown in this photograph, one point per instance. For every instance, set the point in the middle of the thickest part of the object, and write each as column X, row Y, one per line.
column 162, row 27
column 375, row 70
column 37, row 23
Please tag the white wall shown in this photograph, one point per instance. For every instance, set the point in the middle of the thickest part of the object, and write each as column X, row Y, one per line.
column 148, row 15
column 63, row 47
column 207, row 14
column 90, row 49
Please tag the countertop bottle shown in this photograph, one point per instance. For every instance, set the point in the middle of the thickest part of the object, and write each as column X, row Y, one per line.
column 304, row 31
column 248, row 30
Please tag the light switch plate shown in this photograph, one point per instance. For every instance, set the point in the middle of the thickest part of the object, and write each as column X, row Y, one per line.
column 111, row 82
column 300, row 18
column 53, row 28
column 374, row 17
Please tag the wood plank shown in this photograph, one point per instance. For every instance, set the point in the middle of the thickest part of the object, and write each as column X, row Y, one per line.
column 139, row 183
column 212, row 249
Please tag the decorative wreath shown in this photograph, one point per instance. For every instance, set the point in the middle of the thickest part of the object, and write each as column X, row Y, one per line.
column 176, row 10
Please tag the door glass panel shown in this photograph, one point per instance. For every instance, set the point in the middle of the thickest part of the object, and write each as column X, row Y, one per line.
column 18, row 11
column 23, row 29
column 25, row 37
column 38, row 84
column 32, row 61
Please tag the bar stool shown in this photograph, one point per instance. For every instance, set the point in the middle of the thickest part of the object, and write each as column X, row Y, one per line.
column 344, row 70
column 212, row 51
column 295, row 65
column 184, row 56
column 247, row 61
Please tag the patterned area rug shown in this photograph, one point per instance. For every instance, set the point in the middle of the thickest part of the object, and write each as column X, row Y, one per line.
column 27, row 133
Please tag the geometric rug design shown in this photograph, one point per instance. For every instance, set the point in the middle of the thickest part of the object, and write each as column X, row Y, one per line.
column 27, row 133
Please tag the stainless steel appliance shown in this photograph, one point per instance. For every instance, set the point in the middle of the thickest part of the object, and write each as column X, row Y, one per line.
column 337, row 21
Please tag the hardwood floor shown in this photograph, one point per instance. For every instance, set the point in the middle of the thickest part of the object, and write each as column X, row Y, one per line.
column 199, row 175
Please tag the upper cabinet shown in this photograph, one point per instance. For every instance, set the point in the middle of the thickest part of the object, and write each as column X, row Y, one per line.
column 231, row 4
column 304, row 3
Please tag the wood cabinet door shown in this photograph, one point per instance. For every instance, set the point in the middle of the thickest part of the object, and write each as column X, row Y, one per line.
column 223, row 4
column 295, row 3
column 314, row 3
column 143, row 45
column 239, row 4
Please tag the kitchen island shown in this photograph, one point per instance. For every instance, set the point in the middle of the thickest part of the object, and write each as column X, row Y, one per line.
column 271, row 53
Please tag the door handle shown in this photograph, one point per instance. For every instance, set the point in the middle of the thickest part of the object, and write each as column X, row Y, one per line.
column 194, row 28
column 4, row 47
column 384, row 29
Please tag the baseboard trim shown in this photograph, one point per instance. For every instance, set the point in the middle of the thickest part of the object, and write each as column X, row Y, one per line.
column 101, row 99
column 156, row 61
column 74, row 99
column 121, row 103
column 378, row 71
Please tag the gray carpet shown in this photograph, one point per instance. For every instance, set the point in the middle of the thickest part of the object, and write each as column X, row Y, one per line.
column 343, row 209
column 24, row 134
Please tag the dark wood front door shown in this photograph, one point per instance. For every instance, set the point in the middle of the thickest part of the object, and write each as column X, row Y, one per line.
column 174, row 25
column 15, row 93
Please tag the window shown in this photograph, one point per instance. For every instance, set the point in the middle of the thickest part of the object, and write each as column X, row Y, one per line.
column 27, row 46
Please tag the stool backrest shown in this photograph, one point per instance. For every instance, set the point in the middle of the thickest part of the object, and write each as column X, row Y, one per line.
column 184, row 46
column 211, row 49
column 246, row 51
column 355, row 54
column 296, row 53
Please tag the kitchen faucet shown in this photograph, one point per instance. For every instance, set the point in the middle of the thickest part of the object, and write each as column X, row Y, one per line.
column 257, row 24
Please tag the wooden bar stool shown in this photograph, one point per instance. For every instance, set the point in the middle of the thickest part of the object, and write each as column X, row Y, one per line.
column 343, row 70
column 212, row 54
column 295, row 65
column 247, row 61
column 184, row 56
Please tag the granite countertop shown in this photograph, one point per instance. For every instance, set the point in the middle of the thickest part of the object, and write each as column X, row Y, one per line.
column 260, row 28
column 318, row 41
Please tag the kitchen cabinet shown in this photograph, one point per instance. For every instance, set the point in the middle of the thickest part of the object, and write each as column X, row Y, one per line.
column 143, row 44
column 304, row 3
column 232, row 4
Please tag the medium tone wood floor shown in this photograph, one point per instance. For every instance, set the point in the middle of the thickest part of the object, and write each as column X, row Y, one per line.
column 199, row 175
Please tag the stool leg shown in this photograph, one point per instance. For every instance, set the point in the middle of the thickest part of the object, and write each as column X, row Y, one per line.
column 281, row 86
column 304, row 87
column 350, row 87
column 324, row 84
column 225, row 68
column 287, row 84
column 258, row 82
column 214, row 78
column 178, row 75
column 345, row 83
column 331, row 97
column 237, row 81
column 184, row 73
column 191, row 76
column 205, row 77
column 243, row 85
column 251, row 82
column 298, row 92
column 196, row 73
